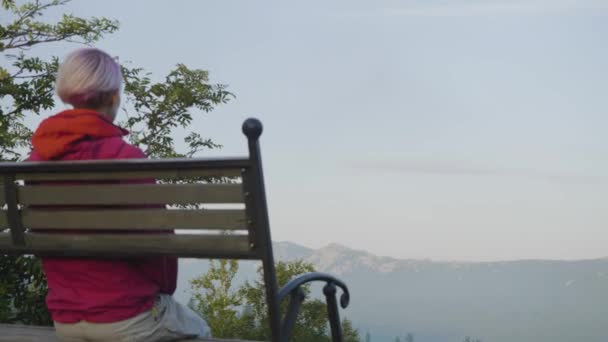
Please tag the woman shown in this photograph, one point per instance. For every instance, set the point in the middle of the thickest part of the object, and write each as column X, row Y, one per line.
column 94, row 299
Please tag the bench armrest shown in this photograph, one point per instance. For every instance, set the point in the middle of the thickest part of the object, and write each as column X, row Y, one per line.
column 293, row 289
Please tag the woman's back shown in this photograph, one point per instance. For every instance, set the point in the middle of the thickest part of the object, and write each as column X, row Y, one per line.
column 87, row 289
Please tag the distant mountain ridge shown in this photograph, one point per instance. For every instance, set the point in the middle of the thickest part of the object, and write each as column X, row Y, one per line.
column 523, row 301
column 336, row 259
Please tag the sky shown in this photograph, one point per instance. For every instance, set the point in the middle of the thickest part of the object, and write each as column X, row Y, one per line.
column 445, row 130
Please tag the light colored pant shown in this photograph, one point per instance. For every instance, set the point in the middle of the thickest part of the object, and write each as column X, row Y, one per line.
column 166, row 321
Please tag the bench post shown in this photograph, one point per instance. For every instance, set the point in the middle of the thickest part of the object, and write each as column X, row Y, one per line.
column 13, row 214
column 252, row 128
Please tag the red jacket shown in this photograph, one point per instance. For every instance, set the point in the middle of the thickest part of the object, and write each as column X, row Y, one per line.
column 95, row 290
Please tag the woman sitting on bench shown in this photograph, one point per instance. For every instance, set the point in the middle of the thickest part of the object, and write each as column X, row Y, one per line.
column 94, row 299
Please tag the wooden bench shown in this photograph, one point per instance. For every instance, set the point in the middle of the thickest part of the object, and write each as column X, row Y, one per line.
column 218, row 207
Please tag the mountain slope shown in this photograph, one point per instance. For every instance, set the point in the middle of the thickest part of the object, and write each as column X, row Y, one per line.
column 533, row 300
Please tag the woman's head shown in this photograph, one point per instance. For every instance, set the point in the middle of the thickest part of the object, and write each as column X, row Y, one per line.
column 90, row 78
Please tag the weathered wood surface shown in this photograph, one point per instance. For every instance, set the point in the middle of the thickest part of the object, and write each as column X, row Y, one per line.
column 114, row 245
column 22, row 333
column 116, row 194
column 135, row 219
column 128, row 175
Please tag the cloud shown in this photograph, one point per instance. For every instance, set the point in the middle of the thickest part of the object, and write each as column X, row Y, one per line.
column 472, row 8
column 459, row 168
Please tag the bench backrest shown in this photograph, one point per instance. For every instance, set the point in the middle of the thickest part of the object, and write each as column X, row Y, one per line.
column 101, row 208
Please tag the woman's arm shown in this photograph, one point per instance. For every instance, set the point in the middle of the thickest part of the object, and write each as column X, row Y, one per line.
column 162, row 270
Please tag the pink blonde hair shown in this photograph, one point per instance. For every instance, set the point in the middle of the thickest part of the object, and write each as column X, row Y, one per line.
column 87, row 78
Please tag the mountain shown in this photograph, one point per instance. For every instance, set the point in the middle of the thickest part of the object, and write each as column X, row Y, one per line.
column 523, row 301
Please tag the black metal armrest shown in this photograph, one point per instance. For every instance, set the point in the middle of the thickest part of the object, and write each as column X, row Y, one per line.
column 293, row 289
column 316, row 276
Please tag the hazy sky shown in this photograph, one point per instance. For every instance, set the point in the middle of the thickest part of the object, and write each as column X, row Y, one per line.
column 467, row 130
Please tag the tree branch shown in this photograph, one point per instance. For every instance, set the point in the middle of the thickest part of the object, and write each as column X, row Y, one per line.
column 29, row 14
column 29, row 44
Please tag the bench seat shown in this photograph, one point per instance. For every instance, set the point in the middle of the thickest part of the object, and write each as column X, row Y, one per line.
column 27, row 333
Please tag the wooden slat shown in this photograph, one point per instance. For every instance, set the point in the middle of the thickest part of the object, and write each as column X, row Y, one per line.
column 130, row 194
column 144, row 219
column 23, row 333
column 113, row 165
column 28, row 333
column 13, row 216
column 3, row 220
column 122, row 245
column 2, row 196
column 129, row 175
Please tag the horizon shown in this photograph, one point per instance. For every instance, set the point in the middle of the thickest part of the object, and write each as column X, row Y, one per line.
column 468, row 130
column 330, row 244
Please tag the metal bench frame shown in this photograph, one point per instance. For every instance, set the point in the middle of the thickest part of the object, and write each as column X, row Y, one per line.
column 20, row 240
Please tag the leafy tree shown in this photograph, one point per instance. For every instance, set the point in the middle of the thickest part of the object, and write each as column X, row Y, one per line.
column 397, row 339
column 219, row 304
column 160, row 108
column 26, row 82
column 349, row 333
column 154, row 111
column 245, row 308
column 22, row 286
column 409, row 337
column 312, row 320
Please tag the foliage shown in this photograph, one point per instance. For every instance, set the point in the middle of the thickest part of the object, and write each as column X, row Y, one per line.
column 22, row 286
column 242, row 312
column 312, row 320
column 155, row 110
column 219, row 304
column 161, row 107
column 350, row 334
column 26, row 83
